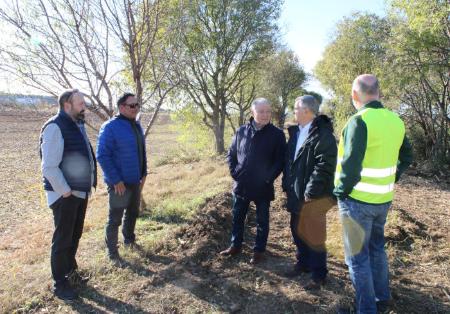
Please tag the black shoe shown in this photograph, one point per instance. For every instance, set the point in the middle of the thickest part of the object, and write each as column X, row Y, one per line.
column 77, row 279
column 296, row 271
column 65, row 292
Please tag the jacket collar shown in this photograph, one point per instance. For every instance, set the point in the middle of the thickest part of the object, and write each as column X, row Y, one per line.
column 121, row 116
column 251, row 124
column 64, row 115
column 374, row 104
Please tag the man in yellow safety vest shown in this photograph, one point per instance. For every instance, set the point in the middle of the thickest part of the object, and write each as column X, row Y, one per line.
column 373, row 152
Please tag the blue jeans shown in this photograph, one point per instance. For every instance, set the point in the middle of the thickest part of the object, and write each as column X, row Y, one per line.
column 240, row 209
column 363, row 233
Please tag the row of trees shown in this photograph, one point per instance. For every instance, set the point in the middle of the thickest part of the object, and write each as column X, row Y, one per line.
column 216, row 55
column 409, row 51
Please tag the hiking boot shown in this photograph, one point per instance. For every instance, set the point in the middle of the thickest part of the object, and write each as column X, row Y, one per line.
column 65, row 292
column 314, row 284
column 132, row 246
column 296, row 271
column 257, row 258
column 231, row 251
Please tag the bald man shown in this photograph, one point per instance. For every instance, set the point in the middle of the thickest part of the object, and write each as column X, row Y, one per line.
column 373, row 152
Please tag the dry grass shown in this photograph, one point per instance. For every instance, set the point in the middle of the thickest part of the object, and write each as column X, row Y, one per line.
column 173, row 193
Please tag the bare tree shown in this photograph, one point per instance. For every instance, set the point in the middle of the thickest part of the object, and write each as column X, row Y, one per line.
column 150, row 55
column 92, row 45
column 243, row 97
column 56, row 47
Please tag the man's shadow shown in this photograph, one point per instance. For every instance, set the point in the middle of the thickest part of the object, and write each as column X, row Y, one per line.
column 101, row 303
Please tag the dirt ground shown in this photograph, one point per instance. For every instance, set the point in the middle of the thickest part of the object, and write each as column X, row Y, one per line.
column 184, row 273
column 188, row 276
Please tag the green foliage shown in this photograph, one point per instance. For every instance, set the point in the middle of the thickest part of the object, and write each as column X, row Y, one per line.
column 281, row 78
column 418, row 64
column 221, row 42
column 358, row 46
column 194, row 139
column 409, row 52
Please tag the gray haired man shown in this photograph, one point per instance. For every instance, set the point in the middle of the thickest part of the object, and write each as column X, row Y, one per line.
column 308, row 183
column 255, row 159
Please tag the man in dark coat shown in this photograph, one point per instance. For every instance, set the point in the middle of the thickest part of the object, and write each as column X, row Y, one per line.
column 255, row 159
column 308, row 183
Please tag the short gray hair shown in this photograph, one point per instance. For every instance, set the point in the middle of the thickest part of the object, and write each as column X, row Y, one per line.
column 367, row 84
column 308, row 101
column 260, row 101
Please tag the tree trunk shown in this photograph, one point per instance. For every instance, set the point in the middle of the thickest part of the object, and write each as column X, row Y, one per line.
column 281, row 119
column 219, row 136
column 241, row 116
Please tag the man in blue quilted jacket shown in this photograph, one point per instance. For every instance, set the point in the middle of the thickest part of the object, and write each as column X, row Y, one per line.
column 121, row 154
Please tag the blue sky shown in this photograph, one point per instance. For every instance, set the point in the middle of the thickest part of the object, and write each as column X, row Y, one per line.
column 306, row 28
column 308, row 25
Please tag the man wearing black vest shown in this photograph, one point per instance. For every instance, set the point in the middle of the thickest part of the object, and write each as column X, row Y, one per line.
column 69, row 172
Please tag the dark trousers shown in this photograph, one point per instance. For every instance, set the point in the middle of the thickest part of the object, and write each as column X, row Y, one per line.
column 68, row 214
column 240, row 209
column 126, row 207
column 314, row 259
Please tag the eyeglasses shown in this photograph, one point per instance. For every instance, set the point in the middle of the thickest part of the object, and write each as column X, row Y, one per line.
column 132, row 106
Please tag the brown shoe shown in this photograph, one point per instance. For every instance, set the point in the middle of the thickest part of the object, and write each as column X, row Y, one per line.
column 257, row 258
column 231, row 251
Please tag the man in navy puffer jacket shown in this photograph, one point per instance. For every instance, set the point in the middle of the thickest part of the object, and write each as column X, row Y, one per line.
column 122, row 156
column 255, row 159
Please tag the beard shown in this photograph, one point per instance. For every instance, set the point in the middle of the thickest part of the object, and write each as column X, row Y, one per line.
column 80, row 116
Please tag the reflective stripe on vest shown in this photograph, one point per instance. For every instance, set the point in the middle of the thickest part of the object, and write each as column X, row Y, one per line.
column 385, row 133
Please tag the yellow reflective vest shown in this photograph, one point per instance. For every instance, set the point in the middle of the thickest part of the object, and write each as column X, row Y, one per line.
column 385, row 135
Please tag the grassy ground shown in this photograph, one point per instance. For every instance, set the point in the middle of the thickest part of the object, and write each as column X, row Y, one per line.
column 172, row 194
column 186, row 221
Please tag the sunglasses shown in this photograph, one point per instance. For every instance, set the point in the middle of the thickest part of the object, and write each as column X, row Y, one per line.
column 132, row 106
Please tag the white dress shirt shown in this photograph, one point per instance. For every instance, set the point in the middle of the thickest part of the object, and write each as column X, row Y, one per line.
column 302, row 136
